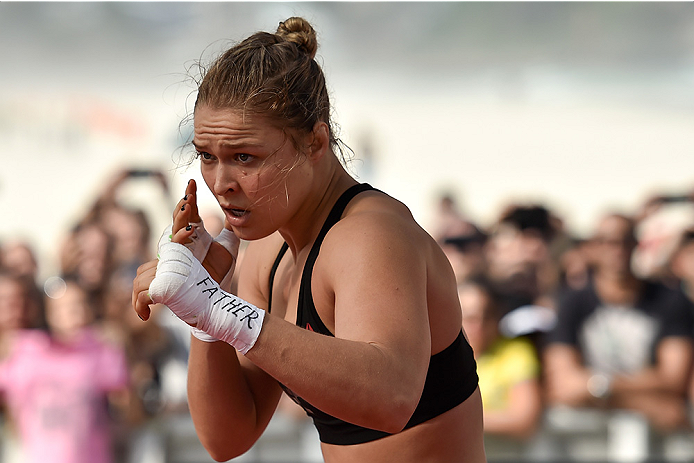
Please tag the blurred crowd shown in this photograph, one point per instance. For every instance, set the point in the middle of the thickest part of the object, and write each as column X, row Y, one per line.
column 81, row 376
column 583, row 343
column 586, row 336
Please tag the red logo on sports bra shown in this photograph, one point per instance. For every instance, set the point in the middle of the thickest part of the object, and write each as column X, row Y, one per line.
column 309, row 327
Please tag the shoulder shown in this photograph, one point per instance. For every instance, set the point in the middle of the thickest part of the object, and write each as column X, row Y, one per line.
column 583, row 299
column 657, row 292
column 666, row 303
column 30, row 341
column 518, row 353
column 377, row 222
column 26, row 347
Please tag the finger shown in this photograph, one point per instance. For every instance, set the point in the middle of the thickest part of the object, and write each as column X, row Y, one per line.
column 191, row 187
column 192, row 194
column 145, row 274
column 181, row 217
column 142, row 304
column 177, row 209
column 190, row 190
column 183, row 235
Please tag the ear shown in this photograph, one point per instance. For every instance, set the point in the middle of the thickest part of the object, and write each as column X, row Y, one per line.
column 320, row 142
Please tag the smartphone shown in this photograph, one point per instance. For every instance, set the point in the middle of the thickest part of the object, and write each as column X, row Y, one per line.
column 676, row 199
column 140, row 173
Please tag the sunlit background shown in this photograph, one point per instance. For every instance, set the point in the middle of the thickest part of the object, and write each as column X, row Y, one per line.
column 582, row 106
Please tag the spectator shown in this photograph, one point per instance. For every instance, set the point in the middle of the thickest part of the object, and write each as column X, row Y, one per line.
column 662, row 219
column 128, row 229
column 682, row 268
column 621, row 342
column 102, row 253
column 682, row 263
column 130, row 232
column 461, row 240
column 464, row 247
column 18, row 257
column 509, row 372
column 574, row 271
column 448, row 217
column 520, row 265
column 57, row 384
column 18, row 310
column 86, row 256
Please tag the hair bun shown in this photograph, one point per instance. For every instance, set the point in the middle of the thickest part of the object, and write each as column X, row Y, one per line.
column 299, row 31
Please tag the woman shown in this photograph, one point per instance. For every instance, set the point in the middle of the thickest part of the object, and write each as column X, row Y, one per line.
column 372, row 294
column 509, row 372
column 57, row 384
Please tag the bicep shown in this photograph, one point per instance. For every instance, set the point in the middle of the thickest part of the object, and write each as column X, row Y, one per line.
column 379, row 286
column 674, row 356
column 559, row 358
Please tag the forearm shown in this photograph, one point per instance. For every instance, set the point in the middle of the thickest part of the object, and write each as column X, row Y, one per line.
column 566, row 378
column 670, row 374
column 650, row 380
column 665, row 411
column 221, row 401
column 502, row 423
column 375, row 384
column 354, row 381
column 519, row 419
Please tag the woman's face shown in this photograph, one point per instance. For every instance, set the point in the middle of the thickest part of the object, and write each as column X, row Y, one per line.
column 68, row 314
column 479, row 323
column 252, row 168
column 13, row 303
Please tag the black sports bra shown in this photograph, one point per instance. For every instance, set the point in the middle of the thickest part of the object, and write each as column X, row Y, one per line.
column 451, row 377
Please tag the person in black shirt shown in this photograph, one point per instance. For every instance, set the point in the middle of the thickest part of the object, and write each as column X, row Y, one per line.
column 621, row 342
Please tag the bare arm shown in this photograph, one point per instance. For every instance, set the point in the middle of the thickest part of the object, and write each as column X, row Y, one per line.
column 369, row 285
column 567, row 379
column 521, row 417
column 669, row 375
column 657, row 392
column 231, row 400
column 372, row 373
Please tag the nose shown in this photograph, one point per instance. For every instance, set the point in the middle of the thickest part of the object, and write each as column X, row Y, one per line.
column 224, row 180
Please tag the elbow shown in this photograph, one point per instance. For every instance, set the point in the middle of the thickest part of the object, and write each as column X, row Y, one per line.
column 396, row 409
column 395, row 413
column 225, row 446
column 394, row 422
column 224, row 452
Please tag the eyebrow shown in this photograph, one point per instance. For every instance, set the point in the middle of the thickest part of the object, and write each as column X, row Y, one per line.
column 228, row 144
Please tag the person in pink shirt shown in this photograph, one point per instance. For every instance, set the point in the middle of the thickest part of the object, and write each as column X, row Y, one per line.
column 56, row 384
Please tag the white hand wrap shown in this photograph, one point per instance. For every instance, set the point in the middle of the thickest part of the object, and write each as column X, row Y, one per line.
column 200, row 244
column 183, row 284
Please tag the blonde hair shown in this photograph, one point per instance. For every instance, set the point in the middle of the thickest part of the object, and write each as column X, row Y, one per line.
column 273, row 75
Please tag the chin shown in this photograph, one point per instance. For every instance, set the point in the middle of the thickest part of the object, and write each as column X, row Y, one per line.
column 249, row 235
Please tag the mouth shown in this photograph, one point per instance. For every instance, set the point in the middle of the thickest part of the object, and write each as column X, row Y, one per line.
column 236, row 211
